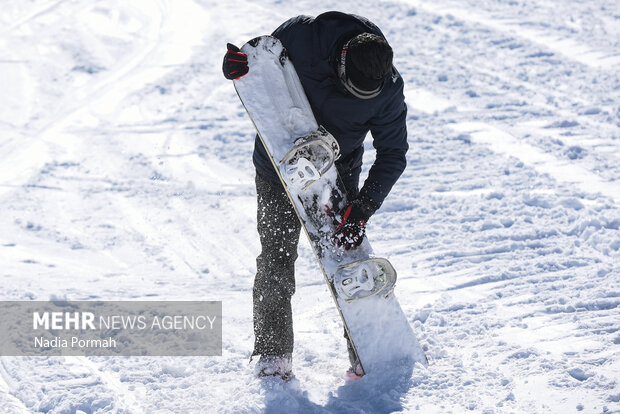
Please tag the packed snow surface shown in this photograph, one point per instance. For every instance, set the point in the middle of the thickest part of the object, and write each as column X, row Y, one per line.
column 127, row 175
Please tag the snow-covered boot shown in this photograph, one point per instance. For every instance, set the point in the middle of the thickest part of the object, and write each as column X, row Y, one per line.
column 355, row 372
column 275, row 365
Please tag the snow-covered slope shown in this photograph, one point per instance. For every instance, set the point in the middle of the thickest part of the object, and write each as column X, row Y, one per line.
column 127, row 174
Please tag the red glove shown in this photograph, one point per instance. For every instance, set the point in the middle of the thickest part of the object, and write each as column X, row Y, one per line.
column 352, row 228
column 235, row 63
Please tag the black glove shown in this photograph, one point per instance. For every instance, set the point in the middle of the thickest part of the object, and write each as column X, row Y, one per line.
column 352, row 228
column 235, row 63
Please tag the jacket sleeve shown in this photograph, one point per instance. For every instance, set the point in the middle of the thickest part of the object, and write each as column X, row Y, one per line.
column 389, row 132
column 286, row 31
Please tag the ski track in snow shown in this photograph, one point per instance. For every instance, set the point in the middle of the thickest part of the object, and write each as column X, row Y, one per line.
column 127, row 175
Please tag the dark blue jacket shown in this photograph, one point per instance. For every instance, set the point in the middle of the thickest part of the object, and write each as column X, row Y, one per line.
column 314, row 46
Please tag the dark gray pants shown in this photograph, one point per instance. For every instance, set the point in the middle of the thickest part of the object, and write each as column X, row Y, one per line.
column 274, row 285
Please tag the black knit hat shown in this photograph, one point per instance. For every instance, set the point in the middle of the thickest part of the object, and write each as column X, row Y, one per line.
column 368, row 61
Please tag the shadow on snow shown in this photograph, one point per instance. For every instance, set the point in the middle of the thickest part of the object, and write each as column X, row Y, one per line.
column 375, row 393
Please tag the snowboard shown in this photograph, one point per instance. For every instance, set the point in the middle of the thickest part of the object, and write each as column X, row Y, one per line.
column 303, row 154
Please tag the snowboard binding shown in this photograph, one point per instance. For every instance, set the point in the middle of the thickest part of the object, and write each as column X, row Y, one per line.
column 310, row 158
column 365, row 278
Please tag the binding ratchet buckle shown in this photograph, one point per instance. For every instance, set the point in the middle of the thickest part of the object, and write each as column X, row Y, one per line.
column 310, row 158
column 365, row 278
